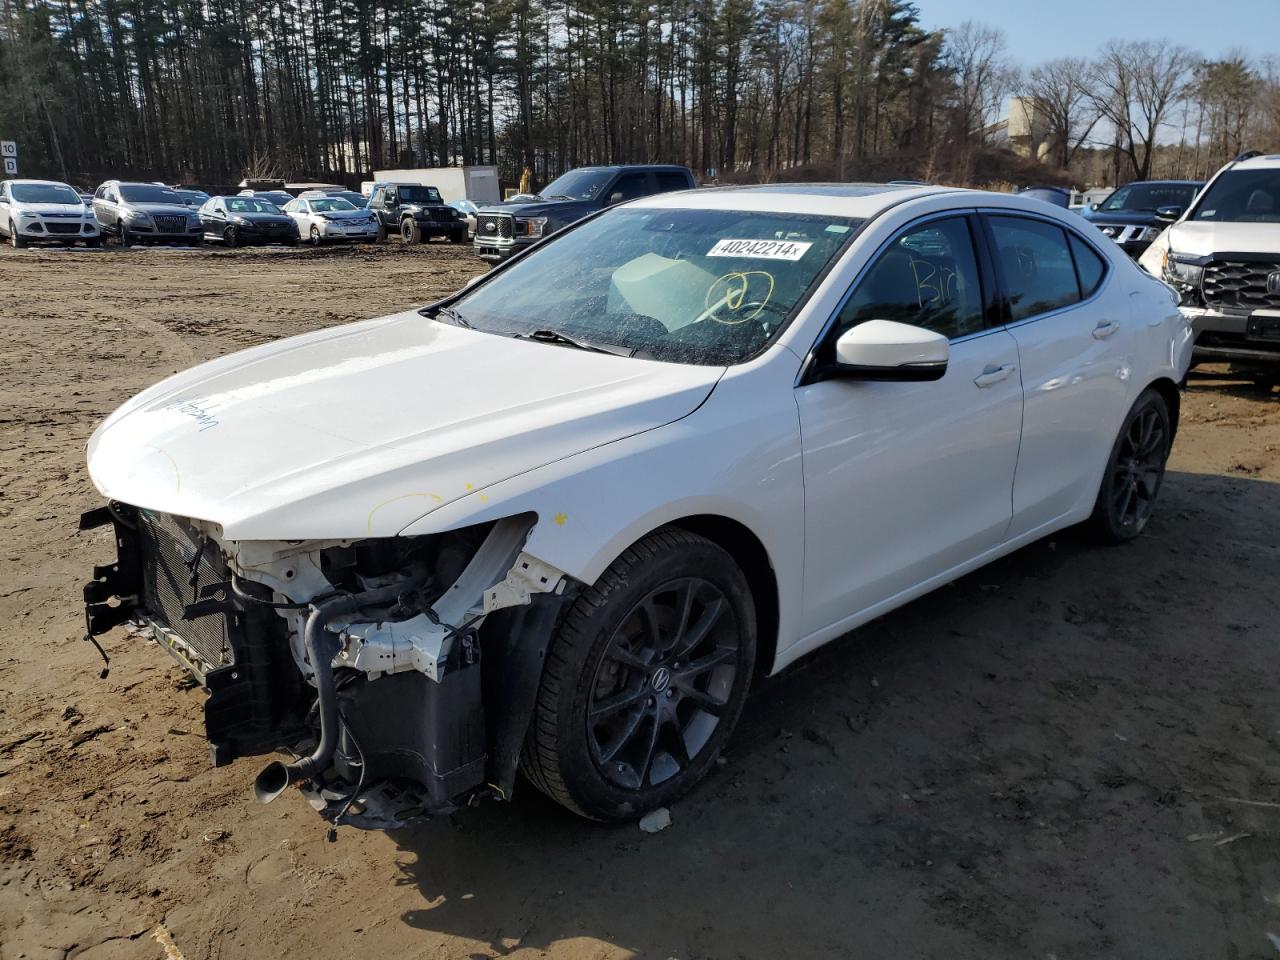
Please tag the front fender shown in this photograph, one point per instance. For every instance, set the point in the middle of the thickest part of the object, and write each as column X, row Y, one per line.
column 737, row 456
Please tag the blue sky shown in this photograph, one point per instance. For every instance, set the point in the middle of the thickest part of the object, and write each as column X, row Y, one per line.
column 1039, row 30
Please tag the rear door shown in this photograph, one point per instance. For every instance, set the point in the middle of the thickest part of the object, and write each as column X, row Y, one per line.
column 1072, row 345
column 905, row 481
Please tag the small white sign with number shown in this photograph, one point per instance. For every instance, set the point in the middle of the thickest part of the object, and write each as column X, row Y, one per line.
column 8, row 148
column 11, row 165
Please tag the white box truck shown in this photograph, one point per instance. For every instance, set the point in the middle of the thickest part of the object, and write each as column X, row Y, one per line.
column 477, row 184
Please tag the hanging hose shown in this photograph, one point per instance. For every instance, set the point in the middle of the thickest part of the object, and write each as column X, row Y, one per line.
column 277, row 776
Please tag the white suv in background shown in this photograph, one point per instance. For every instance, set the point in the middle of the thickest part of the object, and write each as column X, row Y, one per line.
column 1223, row 256
column 45, row 210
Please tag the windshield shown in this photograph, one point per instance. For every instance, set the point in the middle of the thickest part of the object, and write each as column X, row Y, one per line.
column 686, row 286
column 196, row 197
column 1242, row 196
column 1150, row 197
column 148, row 193
column 43, row 193
column 355, row 199
column 577, row 185
column 417, row 194
column 250, row 205
column 329, row 204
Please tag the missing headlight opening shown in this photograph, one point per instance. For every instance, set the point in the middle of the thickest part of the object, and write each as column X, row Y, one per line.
column 394, row 670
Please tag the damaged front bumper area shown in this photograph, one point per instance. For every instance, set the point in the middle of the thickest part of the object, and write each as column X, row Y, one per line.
column 399, row 672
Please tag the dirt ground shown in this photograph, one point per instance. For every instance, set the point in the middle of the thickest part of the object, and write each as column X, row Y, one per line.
column 1073, row 753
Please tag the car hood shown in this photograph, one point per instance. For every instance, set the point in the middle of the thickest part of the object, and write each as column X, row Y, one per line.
column 1130, row 218
column 360, row 214
column 1201, row 238
column 263, row 218
column 359, row 430
column 163, row 209
column 542, row 208
column 55, row 209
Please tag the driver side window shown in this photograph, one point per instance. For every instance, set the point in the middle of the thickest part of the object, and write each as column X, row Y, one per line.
column 928, row 277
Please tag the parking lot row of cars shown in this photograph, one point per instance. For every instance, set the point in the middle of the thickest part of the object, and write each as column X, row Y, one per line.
column 45, row 211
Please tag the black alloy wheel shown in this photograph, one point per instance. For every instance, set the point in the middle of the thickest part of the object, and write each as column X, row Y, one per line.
column 644, row 680
column 1135, row 470
column 663, row 684
column 231, row 236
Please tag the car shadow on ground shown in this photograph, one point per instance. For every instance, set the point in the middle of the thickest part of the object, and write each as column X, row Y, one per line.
column 1011, row 766
column 1234, row 384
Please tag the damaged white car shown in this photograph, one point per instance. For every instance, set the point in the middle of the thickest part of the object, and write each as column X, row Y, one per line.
column 557, row 521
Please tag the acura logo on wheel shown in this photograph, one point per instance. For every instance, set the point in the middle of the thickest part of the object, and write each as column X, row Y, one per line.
column 661, row 679
column 1273, row 283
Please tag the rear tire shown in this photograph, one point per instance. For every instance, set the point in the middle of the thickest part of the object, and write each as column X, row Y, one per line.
column 644, row 679
column 1134, row 471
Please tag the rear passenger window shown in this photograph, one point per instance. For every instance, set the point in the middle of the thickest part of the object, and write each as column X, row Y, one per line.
column 928, row 277
column 630, row 186
column 1039, row 274
column 1089, row 266
column 671, row 181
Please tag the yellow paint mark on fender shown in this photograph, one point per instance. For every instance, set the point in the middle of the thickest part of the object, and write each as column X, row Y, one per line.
column 560, row 519
column 404, row 496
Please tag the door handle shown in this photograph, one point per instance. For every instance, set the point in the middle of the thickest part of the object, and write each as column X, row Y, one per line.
column 993, row 375
column 1104, row 329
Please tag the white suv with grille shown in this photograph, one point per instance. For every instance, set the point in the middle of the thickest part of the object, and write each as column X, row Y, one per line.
column 1223, row 256
column 45, row 210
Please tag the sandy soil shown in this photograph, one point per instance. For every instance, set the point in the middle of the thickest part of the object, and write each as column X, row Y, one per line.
column 1073, row 753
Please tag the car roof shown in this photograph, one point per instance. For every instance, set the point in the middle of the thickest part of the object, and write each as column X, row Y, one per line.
column 839, row 199
column 1265, row 162
column 1168, row 183
column 40, row 183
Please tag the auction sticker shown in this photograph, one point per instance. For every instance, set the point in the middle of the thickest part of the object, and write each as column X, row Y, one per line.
column 760, row 249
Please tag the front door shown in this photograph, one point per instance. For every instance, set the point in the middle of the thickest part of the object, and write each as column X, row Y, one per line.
column 903, row 482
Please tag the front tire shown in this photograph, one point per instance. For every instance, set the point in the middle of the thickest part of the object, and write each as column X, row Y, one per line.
column 231, row 237
column 126, row 238
column 1134, row 472
column 644, row 680
column 316, row 239
column 15, row 241
column 409, row 231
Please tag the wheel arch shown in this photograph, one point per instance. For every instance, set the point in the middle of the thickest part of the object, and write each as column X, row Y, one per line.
column 1172, row 398
column 751, row 556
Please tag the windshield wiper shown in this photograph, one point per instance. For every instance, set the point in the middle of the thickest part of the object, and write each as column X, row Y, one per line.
column 454, row 316
column 558, row 338
column 557, row 196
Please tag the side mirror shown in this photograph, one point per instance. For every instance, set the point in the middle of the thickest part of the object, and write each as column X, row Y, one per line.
column 616, row 197
column 1093, row 207
column 1169, row 214
column 885, row 350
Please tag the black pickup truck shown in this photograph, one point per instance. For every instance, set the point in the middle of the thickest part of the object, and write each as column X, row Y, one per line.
column 416, row 212
column 504, row 229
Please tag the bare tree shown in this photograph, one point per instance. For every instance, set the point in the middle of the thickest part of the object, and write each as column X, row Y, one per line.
column 1135, row 87
column 1059, row 90
column 982, row 75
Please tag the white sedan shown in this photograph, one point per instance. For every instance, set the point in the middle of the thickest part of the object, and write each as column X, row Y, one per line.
column 321, row 219
column 558, row 520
